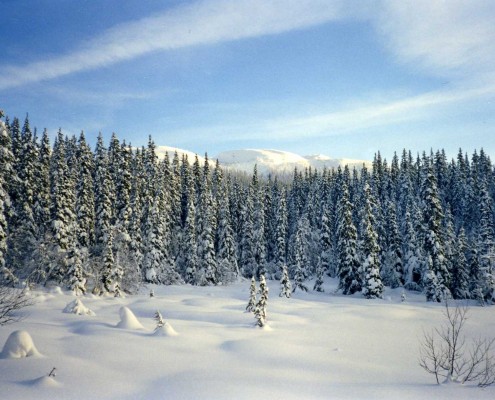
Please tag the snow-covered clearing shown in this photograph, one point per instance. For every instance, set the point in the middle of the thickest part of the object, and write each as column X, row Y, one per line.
column 317, row 346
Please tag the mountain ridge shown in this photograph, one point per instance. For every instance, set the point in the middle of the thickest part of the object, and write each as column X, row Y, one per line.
column 268, row 161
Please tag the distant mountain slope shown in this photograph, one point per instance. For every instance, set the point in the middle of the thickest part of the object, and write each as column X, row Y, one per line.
column 267, row 161
column 281, row 162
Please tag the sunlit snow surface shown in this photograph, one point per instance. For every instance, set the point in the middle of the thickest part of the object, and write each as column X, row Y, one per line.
column 316, row 346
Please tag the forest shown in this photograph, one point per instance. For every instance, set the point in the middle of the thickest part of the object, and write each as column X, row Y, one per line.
column 110, row 220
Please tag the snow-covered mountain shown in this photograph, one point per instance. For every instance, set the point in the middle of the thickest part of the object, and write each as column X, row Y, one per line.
column 162, row 150
column 281, row 162
column 267, row 161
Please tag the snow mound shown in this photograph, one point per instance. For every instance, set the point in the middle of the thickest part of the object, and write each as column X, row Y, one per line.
column 19, row 344
column 44, row 382
column 77, row 307
column 56, row 290
column 165, row 331
column 128, row 320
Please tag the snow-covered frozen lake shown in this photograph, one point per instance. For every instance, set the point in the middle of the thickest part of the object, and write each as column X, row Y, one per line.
column 317, row 346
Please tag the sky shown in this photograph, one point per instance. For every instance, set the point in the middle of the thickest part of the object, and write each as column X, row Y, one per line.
column 343, row 78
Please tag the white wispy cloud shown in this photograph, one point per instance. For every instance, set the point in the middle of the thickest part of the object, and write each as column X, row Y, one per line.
column 200, row 23
column 350, row 119
column 454, row 38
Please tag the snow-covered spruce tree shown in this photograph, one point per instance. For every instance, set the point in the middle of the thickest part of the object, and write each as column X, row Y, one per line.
column 41, row 209
column 348, row 262
column 159, row 320
column 252, row 296
column 63, row 218
column 152, row 243
column 75, row 274
column 175, row 222
column 228, row 270
column 85, row 198
column 207, row 266
column 285, row 284
column 281, row 230
column 5, row 166
column 413, row 265
column 189, row 248
column 486, row 234
column 433, row 289
column 260, row 309
column 169, row 274
column 259, row 242
column 460, row 268
column 433, row 245
column 248, row 262
column 123, row 253
column 23, row 232
column 136, row 242
column 103, row 215
column 393, row 270
column 299, row 259
column 325, row 248
column 372, row 281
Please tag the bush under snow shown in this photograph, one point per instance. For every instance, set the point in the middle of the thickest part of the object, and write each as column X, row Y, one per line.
column 77, row 307
column 19, row 344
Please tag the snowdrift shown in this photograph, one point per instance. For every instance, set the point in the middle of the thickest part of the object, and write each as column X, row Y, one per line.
column 19, row 345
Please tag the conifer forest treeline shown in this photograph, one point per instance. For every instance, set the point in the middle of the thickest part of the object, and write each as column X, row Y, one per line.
column 110, row 219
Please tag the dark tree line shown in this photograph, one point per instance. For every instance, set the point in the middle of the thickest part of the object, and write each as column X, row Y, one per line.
column 113, row 218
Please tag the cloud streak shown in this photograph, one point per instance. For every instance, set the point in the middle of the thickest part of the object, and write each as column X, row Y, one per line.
column 447, row 38
column 201, row 23
column 345, row 121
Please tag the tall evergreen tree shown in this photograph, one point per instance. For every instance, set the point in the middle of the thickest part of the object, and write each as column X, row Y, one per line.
column 433, row 245
column 348, row 262
column 372, row 281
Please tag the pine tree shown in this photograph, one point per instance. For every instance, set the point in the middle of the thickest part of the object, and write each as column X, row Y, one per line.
column 85, row 198
column 41, row 209
column 285, row 284
column 248, row 262
column 460, row 269
column 393, row 274
column 76, row 279
column 252, row 296
column 412, row 254
column 109, row 279
column 63, row 225
column 159, row 320
column 299, row 259
column 348, row 263
column 228, row 269
column 207, row 266
column 281, row 230
column 103, row 202
column 372, row 281
column 486, row 246
column 260, row 309
column 325, row 255
column 432, row 220
column 6, row 158
column 434, row 290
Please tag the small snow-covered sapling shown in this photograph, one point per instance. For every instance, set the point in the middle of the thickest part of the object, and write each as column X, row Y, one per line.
column 403, row 297
column 159, row 320
column 252, row 296
column 152, row 293
column 285, row 284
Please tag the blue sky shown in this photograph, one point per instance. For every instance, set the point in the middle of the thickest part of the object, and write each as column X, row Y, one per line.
column 342, row 78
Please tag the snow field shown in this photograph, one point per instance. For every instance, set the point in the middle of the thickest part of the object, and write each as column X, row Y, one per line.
column 316, row 346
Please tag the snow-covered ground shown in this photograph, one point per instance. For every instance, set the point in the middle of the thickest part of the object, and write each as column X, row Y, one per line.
column 317, row 346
